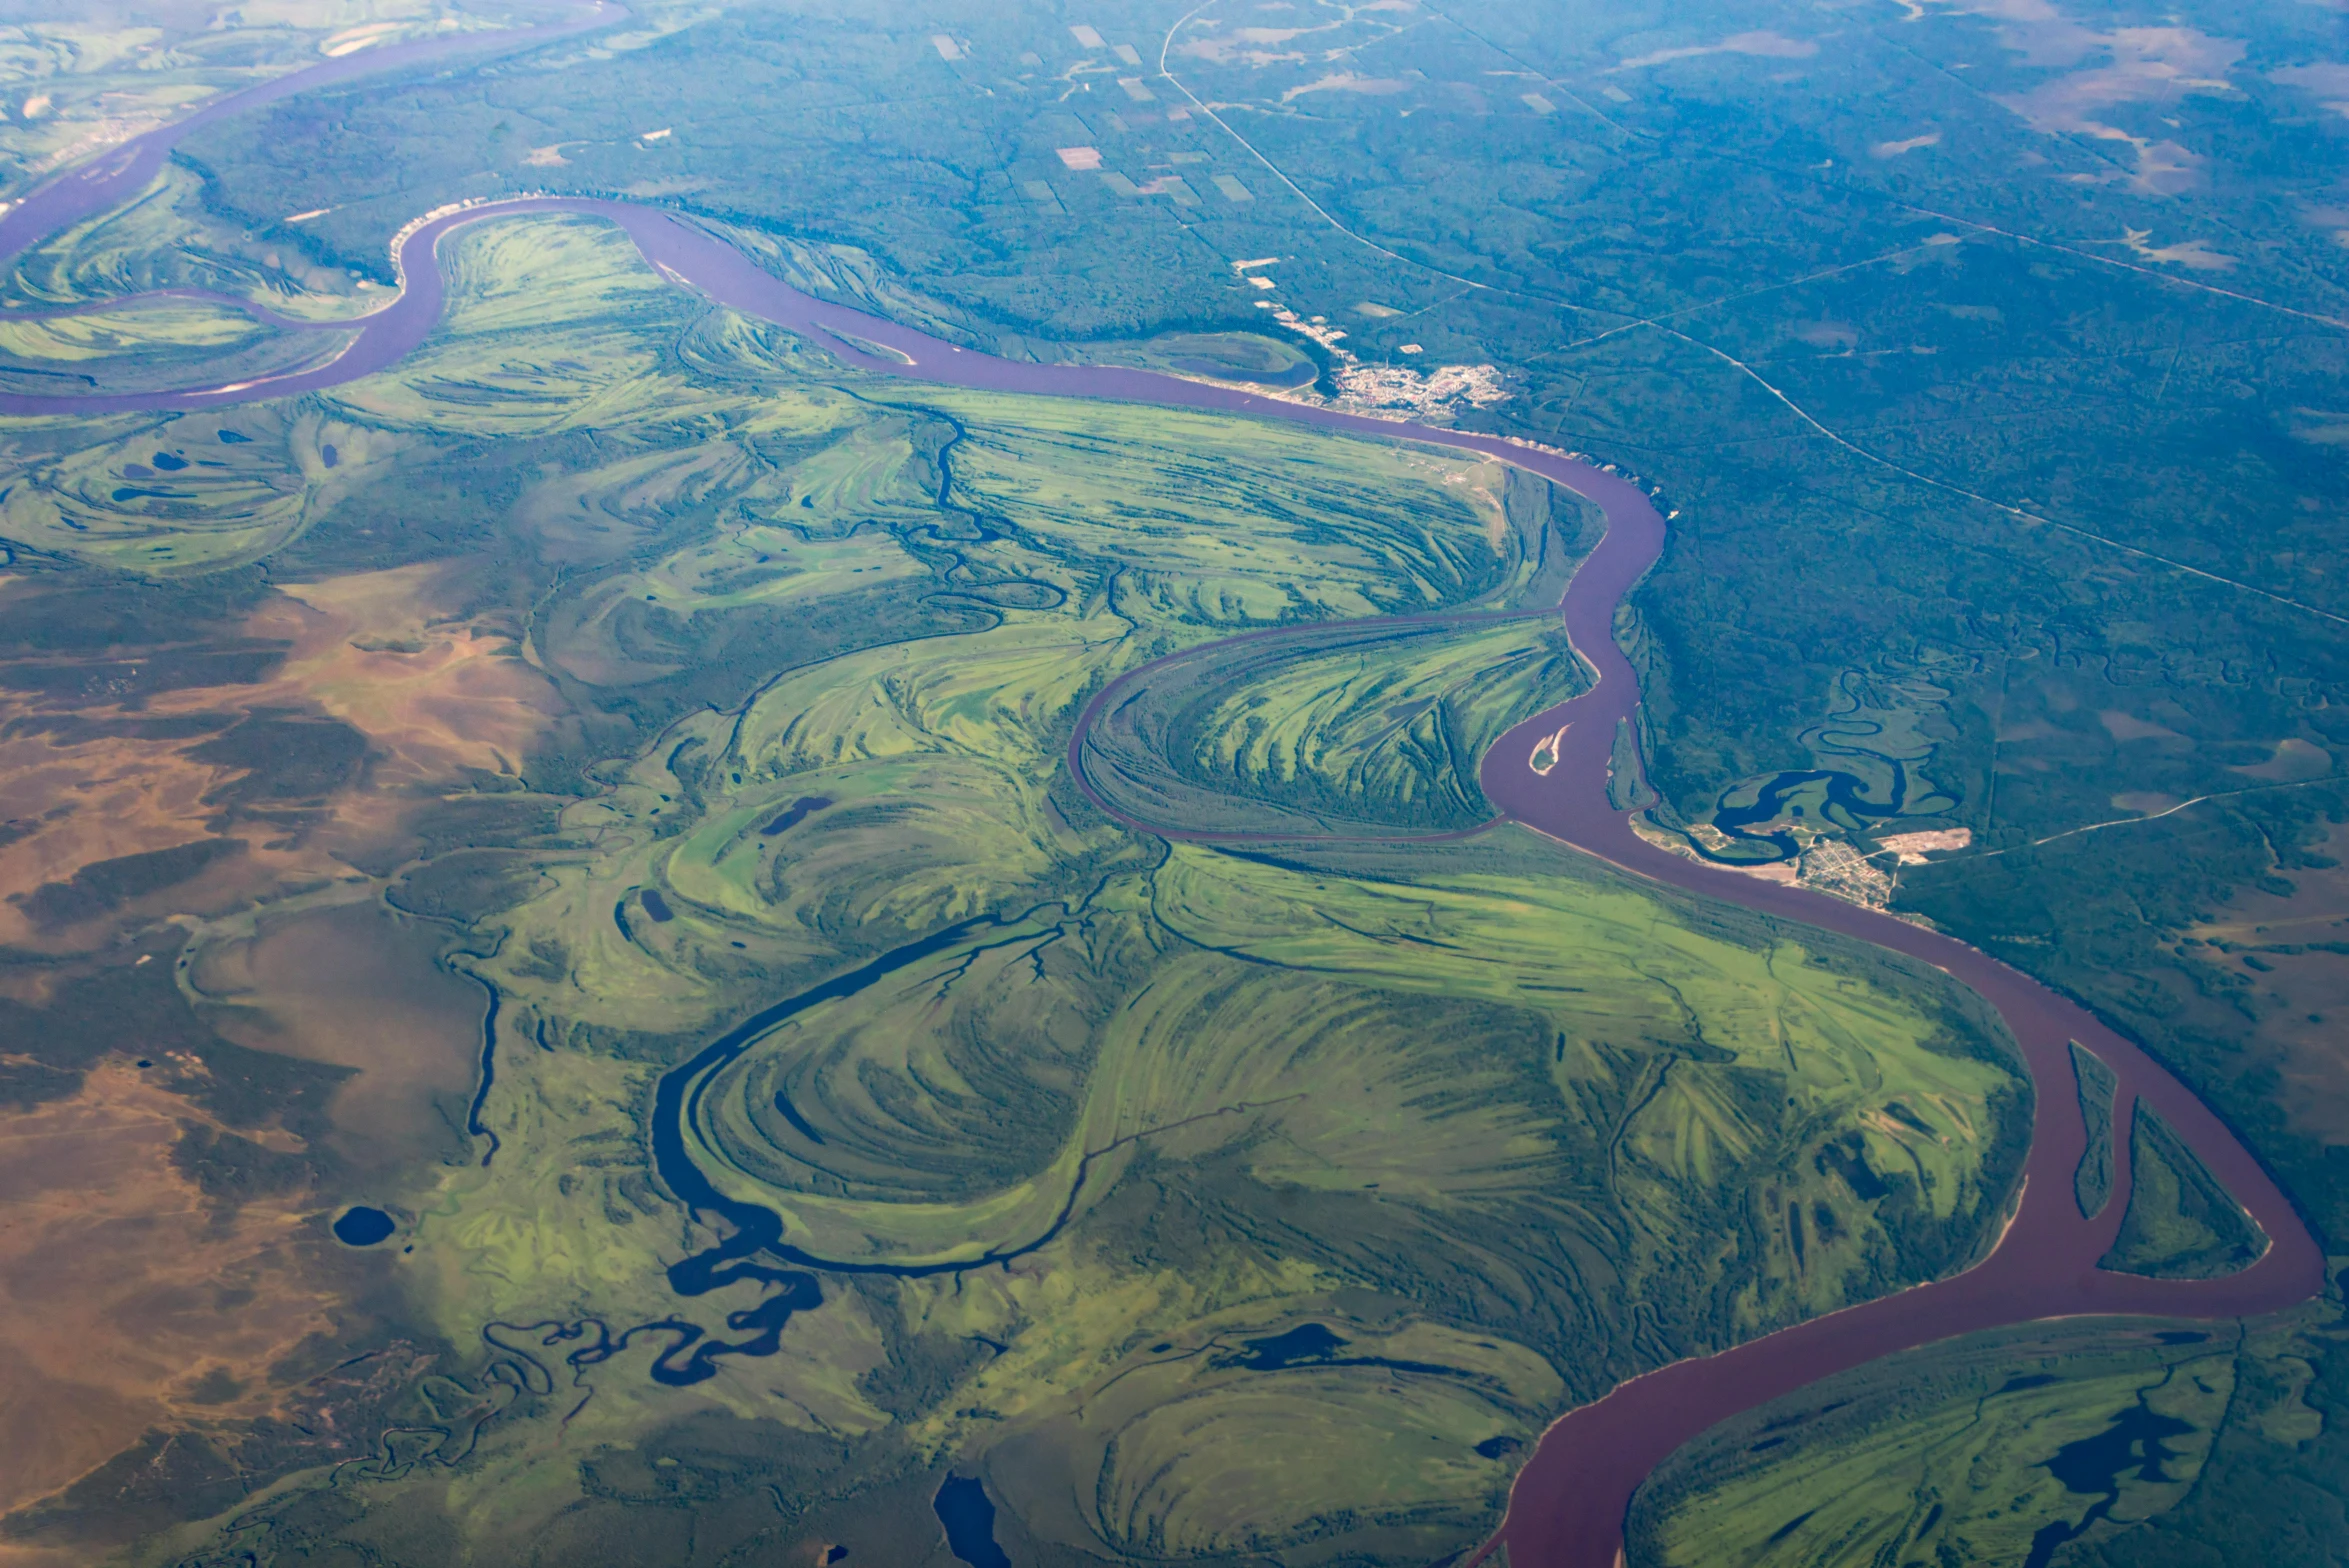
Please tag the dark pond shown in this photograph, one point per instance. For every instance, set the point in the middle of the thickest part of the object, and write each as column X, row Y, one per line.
column 360, row 1226
column 969, row 1516
column 790, row 1113
column 2136, row 1441
column 1315, row 1345
column 1303, row 1345
column 798, row 811
column 1843, row 791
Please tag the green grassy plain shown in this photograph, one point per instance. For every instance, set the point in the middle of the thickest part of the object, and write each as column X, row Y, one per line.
column 1355, row 729
column 2181, row 1222
column 165, row 238
column 1303, row 1062
column 1974, row 1451
column 1472, row 1132
column 2092, row 1182
column 1993, row 454
column 82, row 78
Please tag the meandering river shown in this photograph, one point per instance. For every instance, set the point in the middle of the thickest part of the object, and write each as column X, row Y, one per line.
column 1567, row 1507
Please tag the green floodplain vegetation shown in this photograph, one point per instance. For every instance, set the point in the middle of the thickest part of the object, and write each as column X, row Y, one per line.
column 2050, row 1443
column 1349, row 729
column 755, row 581
column 2180, row 1223
column 2037, row 1444
column 78, row 77
column 1968, row 484
column 1280, row 1022
column 1480, row 1128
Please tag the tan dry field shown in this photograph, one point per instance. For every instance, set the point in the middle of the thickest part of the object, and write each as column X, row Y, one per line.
column 123, row 1291
column 2302, row 999
column 432, row 693
column 432, row 696
column 95, row 800
column 121, row 1288
column 2293, row 759
column 2127, row 727
column 359, row 987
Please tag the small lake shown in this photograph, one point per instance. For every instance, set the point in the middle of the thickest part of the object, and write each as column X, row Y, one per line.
column 969, row 1516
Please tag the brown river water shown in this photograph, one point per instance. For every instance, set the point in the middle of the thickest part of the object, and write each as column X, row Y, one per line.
column 1567, row 1507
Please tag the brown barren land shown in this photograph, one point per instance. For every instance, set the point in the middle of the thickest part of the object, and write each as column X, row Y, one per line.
column 128, row 1297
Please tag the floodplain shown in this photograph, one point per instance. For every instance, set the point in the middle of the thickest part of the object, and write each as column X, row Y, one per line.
column 1121, row 1162
column 615, row 674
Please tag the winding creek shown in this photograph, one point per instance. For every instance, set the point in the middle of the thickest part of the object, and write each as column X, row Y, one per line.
column 1567, row 1507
